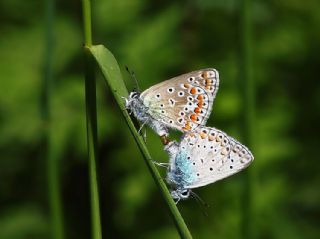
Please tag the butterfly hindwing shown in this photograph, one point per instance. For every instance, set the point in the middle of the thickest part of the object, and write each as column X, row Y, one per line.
column 212, row 155
column 183, row 102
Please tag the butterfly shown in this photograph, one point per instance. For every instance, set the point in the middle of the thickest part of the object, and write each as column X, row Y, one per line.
column 182, row 103
column 203, row 156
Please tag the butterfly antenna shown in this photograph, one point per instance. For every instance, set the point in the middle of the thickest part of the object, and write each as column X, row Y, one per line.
column 133, row 76
column 203, row 205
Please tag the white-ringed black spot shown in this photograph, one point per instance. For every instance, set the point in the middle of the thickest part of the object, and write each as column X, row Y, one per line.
column 181, row 93
column 194, row 163
column 201, row 160
column 161, row 105
column 190, row 103
column 211, row 169
column 162, row 111
column 170, row 90
column 189, row 157
column 231, row 167
column 190, row 98
column 191, row 79
column 158, row 96
column 171, row 121
column 181, row 113
column 198, row 145
column 186, row 109
column 198, row 174
column 232, row 160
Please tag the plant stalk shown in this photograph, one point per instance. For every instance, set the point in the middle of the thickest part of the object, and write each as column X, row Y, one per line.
column 112, row 75
column 91, row 116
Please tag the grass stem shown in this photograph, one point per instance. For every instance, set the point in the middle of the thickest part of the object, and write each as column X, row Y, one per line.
column 112, row 75
column 91, row 116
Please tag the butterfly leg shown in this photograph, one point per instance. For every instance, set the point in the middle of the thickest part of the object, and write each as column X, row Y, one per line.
column 144, row 123
column 127, row 103
column 165, row 165
column 176, row 202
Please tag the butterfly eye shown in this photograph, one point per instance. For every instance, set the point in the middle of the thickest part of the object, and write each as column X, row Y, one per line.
column 134, row 94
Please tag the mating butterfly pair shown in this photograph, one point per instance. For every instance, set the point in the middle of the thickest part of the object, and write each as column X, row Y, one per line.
column 184, row 103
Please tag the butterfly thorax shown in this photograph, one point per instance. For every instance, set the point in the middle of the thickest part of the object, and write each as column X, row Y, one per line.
column 135, row 104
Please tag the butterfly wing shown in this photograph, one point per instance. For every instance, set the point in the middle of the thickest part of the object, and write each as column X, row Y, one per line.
column 213, row 155
column 183, row 102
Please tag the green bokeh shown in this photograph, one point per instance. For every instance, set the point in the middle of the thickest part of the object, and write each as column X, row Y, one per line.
column 159, row 40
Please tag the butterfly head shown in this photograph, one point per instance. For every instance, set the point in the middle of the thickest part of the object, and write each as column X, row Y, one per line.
column 180, row 194
column 133, row 99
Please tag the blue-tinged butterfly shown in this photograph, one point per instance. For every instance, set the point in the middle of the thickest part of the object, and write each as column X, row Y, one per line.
column 182, row 103
column 203, row 156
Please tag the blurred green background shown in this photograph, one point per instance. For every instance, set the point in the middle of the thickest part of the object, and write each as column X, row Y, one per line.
column 159, row 40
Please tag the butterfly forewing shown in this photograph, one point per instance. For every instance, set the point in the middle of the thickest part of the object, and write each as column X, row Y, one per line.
column 183, row 102
column 213, row 156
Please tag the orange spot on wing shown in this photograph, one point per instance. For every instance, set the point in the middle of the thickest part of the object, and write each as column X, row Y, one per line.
column 193, row 117
column 203, row 135
column 193, row 90
column 197, row 110
column 204, row 74
column 211, row 138
column 200, row 97
column 200, row 103
column 208, row 82
column 187, row 126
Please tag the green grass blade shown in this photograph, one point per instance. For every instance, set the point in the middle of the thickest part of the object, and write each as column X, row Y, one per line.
column 112, row 74
column 91, row 116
